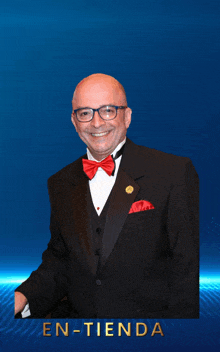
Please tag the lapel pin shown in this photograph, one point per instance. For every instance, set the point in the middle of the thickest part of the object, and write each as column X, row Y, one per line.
column 129, row 189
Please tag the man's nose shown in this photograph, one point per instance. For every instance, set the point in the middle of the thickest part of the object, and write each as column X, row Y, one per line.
column 97, row 121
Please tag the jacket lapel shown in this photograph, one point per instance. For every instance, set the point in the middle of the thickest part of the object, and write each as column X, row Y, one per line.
column 81, row 217
column 120, row 204
column 122, row 197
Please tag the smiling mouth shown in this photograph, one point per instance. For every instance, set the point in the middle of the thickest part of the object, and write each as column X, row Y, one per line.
column 100, row 134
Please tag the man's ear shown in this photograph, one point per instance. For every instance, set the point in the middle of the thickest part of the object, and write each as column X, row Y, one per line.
column 128, row 113
column 73, row 121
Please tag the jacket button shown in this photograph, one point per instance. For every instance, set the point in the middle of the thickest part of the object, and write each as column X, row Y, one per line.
column 97, row 252
column 98, row 230
column 98, row 282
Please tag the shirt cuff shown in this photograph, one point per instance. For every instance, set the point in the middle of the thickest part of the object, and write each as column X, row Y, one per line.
column 26, row 311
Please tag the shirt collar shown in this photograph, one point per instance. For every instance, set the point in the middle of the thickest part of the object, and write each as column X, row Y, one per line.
column 90, row 157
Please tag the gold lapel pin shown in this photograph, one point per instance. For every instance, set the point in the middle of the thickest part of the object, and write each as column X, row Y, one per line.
column 129, row 189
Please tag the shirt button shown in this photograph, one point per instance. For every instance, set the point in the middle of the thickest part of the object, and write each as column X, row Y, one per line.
column 98, row 230
column 98, row 282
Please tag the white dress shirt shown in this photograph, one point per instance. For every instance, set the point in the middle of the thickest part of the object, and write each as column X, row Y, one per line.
column 100, row 189
column 102, row 184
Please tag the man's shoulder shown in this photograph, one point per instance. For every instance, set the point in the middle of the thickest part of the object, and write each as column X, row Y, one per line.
column 157, row 159
column 158, row 165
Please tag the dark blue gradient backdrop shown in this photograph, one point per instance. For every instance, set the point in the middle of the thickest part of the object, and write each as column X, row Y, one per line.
column 166, row 53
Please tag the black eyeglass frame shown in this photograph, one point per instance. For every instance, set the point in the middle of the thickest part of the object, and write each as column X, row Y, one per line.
column 93, row 110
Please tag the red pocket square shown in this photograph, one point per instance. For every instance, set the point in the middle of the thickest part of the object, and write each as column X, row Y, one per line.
column 141, row 205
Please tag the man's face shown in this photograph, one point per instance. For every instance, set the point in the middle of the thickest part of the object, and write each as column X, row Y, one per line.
column 101, row 136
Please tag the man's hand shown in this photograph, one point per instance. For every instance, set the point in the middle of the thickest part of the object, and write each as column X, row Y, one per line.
column 20, row 302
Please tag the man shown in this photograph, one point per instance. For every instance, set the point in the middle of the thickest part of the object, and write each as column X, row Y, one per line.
column 124, row 232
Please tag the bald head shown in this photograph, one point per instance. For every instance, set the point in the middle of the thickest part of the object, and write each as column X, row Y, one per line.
column 99, row 87
column 101, row 135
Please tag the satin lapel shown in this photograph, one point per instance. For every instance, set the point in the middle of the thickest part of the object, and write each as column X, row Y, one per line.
column 81, row 221
column 120, row 204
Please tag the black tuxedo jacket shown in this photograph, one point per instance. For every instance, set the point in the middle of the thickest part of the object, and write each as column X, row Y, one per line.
column 149, row 266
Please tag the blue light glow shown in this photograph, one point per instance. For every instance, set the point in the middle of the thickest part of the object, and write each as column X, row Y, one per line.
column 14, row 279
column 204, row 280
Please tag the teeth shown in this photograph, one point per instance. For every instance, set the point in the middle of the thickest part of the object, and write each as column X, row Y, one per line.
column 99, row 134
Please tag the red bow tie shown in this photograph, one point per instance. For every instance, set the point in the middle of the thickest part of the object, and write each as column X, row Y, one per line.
column 90, row 167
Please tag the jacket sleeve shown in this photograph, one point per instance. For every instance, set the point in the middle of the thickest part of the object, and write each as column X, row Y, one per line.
column 48, row 284
column 183, row 235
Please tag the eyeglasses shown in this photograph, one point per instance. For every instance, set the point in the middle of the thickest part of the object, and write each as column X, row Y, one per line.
column 106, row 112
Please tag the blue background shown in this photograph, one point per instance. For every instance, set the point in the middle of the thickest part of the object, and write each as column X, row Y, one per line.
column 166, row 54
